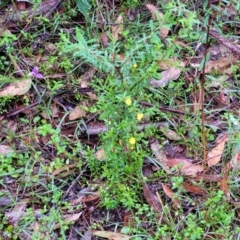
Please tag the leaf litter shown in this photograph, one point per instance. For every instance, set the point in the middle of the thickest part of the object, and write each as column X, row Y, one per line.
column 65, row 110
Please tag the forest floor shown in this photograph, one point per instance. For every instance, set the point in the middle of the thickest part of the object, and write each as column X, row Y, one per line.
column 119, row 119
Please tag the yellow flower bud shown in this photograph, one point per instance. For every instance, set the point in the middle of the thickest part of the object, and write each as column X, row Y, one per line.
column 132, row 140
column 139, row 116
column 128, row 101
column 135, row 65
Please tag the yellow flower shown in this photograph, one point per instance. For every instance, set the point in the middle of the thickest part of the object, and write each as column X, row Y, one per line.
column 139, row 116
column 132, row 140
column 134, row 65
column 128, row 101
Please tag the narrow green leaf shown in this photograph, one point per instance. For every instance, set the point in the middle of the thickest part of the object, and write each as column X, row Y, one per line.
column 83, row 6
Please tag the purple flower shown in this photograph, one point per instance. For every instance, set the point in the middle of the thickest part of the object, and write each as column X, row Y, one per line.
column 36, row 74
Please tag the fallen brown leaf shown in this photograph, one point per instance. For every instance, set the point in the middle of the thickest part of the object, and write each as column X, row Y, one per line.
column 5, row 150
column 224, row 181
column 168, row 75
column 111, row 235
column 159, row 154
column 218, row 51
column 157, row 15
column 128, row 218
column 180, row 43
column 170, row 194
column 104, row 39
column 62, row 169
column 118, row 28
column 56, row 75
column 76, row 201
column 84, row 84
column 170, row 134
column 43, row 235
column 235, row 161
column 91, row 197
column 43, row 9
column 222, row 98
column 207, row 177
column 17, row 212
column 99, row 155
column 12, row 125
column 214, row 156
column 4, row 201
column 87, row 235
column 152, row 199
column 168, row 63
column 221, row 64
column 17, row 88
column 68, row 218
column 77, row 112
column 118, row 57
column 87, row 76
column 194, row 189
column 185, row 166
column 218, row 82
column 226, row 42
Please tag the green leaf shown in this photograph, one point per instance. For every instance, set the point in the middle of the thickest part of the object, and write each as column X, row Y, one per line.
column 83, row 6
column 82, row 44
column 4, row 2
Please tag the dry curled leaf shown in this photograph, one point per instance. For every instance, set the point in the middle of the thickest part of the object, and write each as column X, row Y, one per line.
column 68, row 218
column 185, row 166
column 193, row 188
column 214, row 156
column 165, row 64
column 235, row 48
column 224, row 181
column 111, row 235
column 104, row 40
column 157, row 15
column 100, row 155
column 220, row 65
column 118, row 28
column 154, row 11
column 5, row 150
column 235, row 161
column 151, row 198
column 15, row 215
column 207, row 177
column 77, row 112
column 170, row 134
column 170, row 194
column 168, row 75
column 159, row 154
column 63, row 169
column 12, row 126
column 5, row 201
column 128, row 219
column 92, row 197
column 17, row 88
column 84, row 84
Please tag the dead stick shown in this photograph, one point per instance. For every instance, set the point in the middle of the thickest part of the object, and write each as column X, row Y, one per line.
column 96, row 129
column 166, row 109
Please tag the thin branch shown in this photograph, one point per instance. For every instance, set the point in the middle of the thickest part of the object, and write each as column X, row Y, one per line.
column 202, row 91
